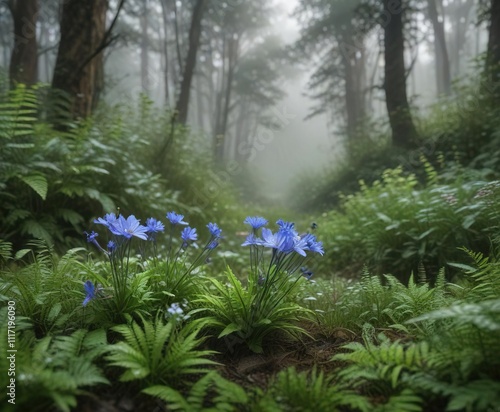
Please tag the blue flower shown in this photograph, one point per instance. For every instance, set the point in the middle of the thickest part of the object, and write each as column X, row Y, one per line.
column 154, row 226
column 129, row 227
column 176, row 219
column 299, row 245
column 175, row 309
column 90, row 292
column 176, row 312
column 108, row 220
column 285, row 225
column 189, row 234
column 317, row 247
column 312, row 244
column 111, row 246
column 91, row 238
column 283, row 241
column 215, row 231
column 269, row 239
column 252, row 240
column 256, row 222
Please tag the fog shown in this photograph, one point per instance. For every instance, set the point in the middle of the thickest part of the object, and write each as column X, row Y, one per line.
column 260, row 118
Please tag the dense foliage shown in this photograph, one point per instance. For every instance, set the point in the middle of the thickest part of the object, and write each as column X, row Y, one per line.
column 53, row 182
column 421, row 346
column 144, row 310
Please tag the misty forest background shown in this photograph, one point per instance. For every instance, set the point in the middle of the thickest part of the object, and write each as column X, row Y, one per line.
column 374, row 124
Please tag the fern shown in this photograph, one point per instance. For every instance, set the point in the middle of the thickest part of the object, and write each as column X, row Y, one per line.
column 468, row 342
column 383, row 365
column 416, row 299
column 309, row 391
column 57, row 370
column 45, row 291
column 157, row 352
column 406, row 401
column 5, row 251
column 17, row 114
column 223, row 395
column 475, row 395
column 484, row 278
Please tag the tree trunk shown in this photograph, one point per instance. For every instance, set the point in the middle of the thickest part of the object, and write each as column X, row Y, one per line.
column 200, row 111
column 231, row 46
column 194, row 43
column 460, row 22
column 24, row 59
column 144, row 20
column 165, row 51
column 233, row 56
column 493, row 53
column 177, row 35
column 355, row 81
column 79, row 65
column 443, row 76
column 398, row 108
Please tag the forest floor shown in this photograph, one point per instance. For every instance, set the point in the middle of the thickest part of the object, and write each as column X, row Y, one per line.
column 241, row 366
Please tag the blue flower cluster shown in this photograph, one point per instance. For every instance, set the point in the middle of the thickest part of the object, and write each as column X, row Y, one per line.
column 289, row 249
column 284, row 240
column 124, row 229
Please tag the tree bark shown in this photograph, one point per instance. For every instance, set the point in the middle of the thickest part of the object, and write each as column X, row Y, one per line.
column 24, row 59
column 493, row 52
column 443, row 76
column 79, row 65
column 403, row 130
column 194, row 43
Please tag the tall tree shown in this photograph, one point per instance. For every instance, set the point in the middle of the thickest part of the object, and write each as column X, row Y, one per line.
column 24, row 59
column 256, row 91
column 144, row 23
column 190, row 63
column 398, row 108
column 493, row 52
column 331, row 31
column 165, row 53
column 231, row 33
column 460, row 14
column 443, row 75
column 79, row 67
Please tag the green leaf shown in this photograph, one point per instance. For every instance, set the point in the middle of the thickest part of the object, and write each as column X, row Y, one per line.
column 469, row 220
column 465, row 268
column 54, row 311
column 232, row 327
column 21, row 253
column 38, row 183
column 264, row 322
column 384, row 217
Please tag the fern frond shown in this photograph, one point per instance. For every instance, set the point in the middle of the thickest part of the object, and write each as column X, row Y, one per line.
column 158, row 352
column 385, row 363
